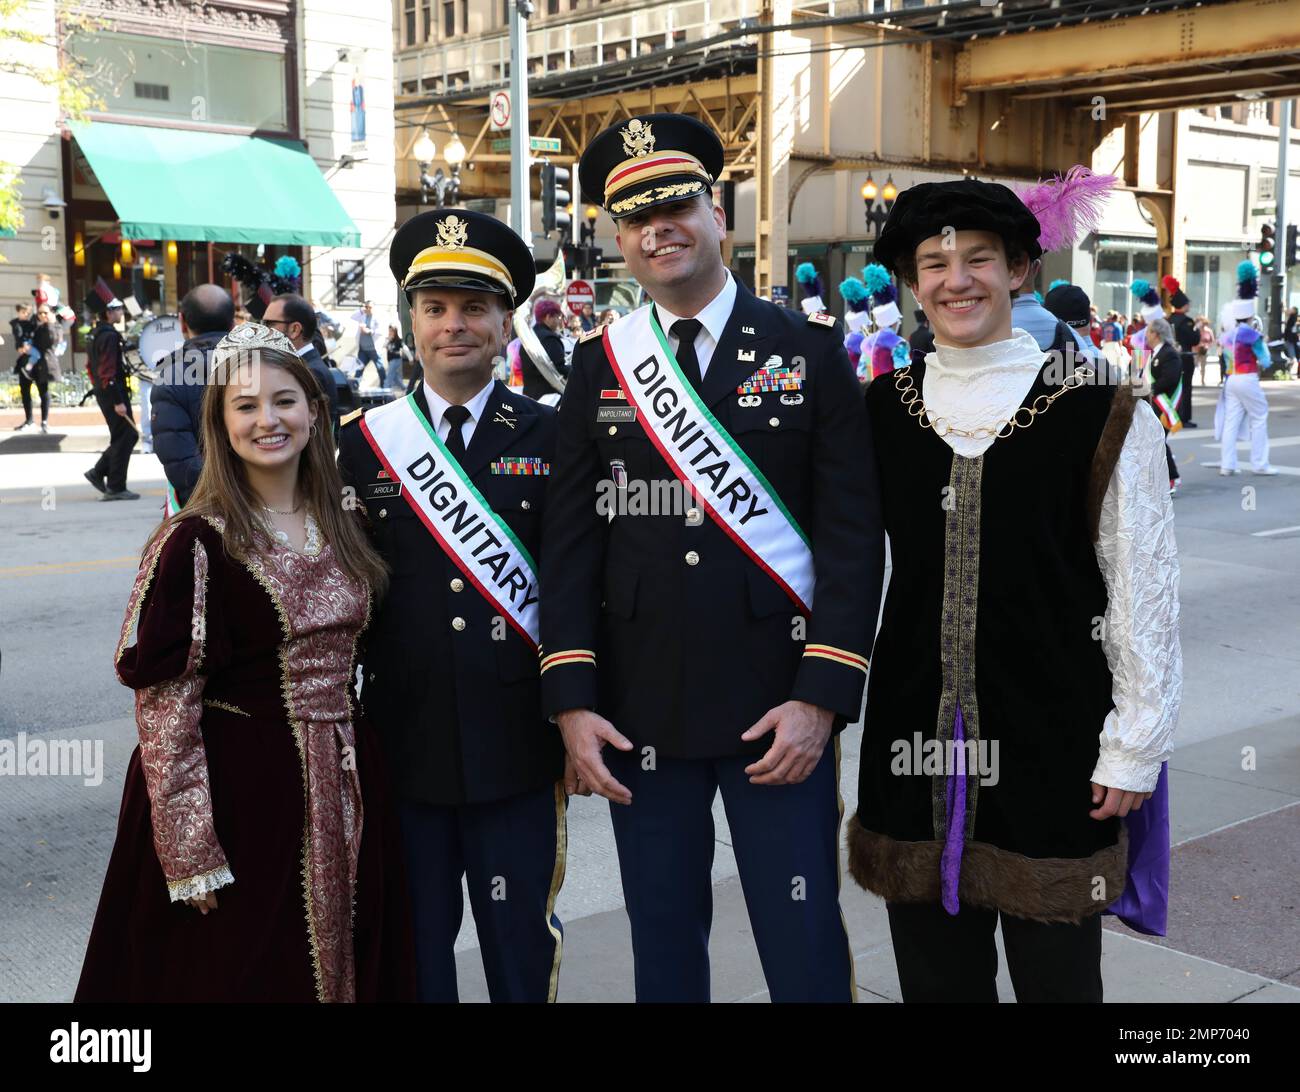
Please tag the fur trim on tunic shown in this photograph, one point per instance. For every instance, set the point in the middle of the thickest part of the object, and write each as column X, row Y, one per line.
column 1048, row 889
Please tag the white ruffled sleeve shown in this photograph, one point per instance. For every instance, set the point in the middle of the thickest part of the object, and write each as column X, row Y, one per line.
column 1139, row 562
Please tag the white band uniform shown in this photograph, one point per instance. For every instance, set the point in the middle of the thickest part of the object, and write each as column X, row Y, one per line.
column 476, row 539
column 704, row 456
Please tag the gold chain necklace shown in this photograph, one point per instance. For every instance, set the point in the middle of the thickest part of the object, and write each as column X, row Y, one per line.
column 916, row 407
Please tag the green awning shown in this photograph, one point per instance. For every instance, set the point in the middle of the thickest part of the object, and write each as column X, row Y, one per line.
column 214, row 187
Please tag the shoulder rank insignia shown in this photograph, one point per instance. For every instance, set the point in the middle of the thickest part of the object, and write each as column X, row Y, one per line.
column 351, row 416
column 821, row 318
column 595, row 331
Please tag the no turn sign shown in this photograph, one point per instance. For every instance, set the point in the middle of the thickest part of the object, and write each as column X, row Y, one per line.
column 499, row 110
column 577, row 294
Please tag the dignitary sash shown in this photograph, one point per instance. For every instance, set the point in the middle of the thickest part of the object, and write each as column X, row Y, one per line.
column 704, row 457
column 476, row 539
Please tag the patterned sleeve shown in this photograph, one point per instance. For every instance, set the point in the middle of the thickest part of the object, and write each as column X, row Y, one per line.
column 168, row 610
column 1139, row 561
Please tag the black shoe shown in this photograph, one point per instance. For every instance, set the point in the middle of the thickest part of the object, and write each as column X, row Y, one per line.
column 123, row 494
column 96, row 480
column 1190, row 424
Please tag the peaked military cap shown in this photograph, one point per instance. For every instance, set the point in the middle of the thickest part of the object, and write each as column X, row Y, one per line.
column 650, row 160
column 925, row 210
column 455, row 248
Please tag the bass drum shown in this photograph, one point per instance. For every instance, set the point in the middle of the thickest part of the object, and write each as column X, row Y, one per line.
column 158, row 340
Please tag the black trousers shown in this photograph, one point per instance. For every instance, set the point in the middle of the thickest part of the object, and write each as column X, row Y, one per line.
column 946, row 958
column 42, row 381
column 121, row 439
column 1189, row 375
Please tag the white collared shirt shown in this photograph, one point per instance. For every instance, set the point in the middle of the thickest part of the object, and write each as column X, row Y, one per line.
column 438, row 405
column 712, row 317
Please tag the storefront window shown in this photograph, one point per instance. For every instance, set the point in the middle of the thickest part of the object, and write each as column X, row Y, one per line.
column 140, row 76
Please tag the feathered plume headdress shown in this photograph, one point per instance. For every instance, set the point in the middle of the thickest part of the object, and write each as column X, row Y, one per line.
column 1056, row 284
column 811, row 283
column 1177, row 297
column 1067, row 206
column 1243, row 307
column 857, row 299
column 264, row 284
column 884, row 297
column 1149, row 298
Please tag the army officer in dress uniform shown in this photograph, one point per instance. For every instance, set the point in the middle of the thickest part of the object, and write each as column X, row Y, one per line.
column 453, row 477
column 683, row 652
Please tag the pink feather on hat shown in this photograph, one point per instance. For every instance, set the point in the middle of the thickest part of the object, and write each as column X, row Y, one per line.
column 1067, row 206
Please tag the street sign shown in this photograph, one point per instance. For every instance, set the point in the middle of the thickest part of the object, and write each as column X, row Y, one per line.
column 577, row 294
column 547, row 144
column 499, row 111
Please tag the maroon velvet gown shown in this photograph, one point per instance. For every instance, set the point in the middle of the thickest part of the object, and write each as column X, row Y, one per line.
column 255, row 778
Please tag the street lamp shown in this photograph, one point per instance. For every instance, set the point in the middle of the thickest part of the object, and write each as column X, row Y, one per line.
column 444, row 187
column 875, row 215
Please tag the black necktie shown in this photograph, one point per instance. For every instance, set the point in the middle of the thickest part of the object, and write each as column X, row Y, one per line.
column 456, row 416
column 686, row 331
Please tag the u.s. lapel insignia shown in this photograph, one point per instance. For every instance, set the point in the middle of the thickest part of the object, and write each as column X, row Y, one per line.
column 501, row 418
column 745, row 356
column 747, row 330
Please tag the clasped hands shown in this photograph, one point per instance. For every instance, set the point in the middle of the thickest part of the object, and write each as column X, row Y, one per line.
column 800, row 732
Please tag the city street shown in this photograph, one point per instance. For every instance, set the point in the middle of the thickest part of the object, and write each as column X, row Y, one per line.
column 67, row 562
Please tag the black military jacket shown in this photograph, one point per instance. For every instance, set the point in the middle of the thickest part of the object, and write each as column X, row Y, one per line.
column 661, row 622
column 453, row 692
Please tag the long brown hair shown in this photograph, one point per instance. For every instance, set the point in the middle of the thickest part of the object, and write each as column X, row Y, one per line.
column 223, row 490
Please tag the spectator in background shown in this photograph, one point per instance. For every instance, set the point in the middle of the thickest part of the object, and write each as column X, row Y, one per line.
column 367, row 328
column 1204, row 342
column 1069, row 304
column 294, row 317
column 607, row 316
column 1113, row 348
column 45, row 293
column 23, row 328
column 588, row 317
column 577, row 327
column 37, row 368
column 548, row 321
column 397, row 354
column 1166, row 375
column 921, row 340
column 1290, row 335
column 207, row 315
column 1094, row 326
column 1031, row 316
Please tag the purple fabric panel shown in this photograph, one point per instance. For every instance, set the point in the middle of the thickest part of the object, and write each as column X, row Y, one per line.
column 950, row 863
column 1144, row 905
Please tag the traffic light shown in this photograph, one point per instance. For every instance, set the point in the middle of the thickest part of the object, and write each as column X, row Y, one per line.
column 1267, row 245
column 556, row 198
column 1292, row 231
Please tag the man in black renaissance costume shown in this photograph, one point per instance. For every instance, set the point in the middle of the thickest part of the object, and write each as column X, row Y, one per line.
column 1027, row 672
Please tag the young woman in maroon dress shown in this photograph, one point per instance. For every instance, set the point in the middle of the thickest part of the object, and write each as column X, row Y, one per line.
column 256, row 856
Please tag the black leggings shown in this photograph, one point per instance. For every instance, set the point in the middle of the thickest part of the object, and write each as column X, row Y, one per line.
column 43, row 389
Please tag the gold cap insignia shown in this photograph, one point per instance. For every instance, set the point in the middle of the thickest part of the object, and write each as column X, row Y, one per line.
column 638, row 140
column 453, row 232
